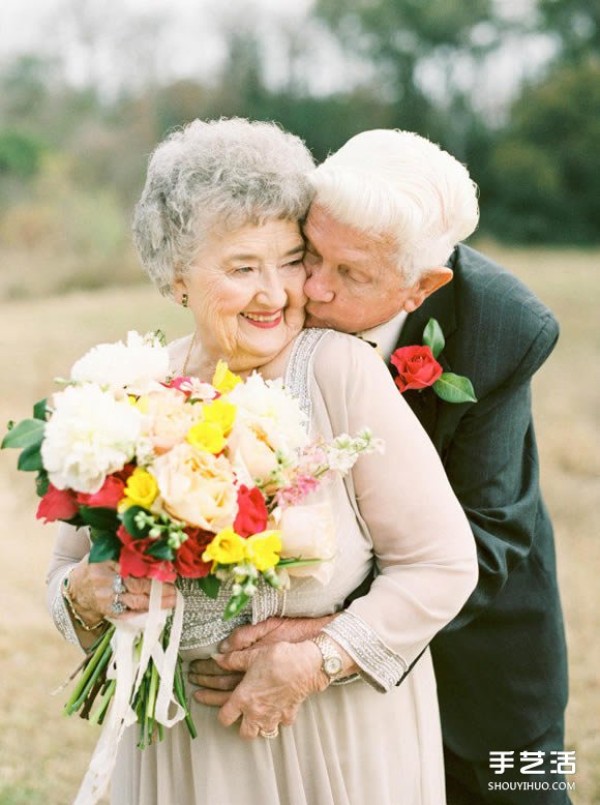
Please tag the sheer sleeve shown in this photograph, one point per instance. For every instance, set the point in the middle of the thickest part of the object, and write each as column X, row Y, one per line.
column 422, row 542
column 70, row 547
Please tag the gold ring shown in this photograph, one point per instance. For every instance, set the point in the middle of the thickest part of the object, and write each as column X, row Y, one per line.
column 269, row 733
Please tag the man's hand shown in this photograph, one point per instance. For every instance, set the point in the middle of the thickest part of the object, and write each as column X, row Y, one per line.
column 218, row 683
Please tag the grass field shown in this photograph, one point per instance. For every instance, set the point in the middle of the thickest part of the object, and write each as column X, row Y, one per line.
column 42, row 755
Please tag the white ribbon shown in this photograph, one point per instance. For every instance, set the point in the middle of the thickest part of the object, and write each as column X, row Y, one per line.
column 128, row 671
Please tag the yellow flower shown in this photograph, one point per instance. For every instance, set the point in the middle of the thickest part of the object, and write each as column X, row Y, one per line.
column 141, row 489
column 141, row 403
column 263, row 549
column 226, row 548
column 207, row 436
column 224, row 380
column 220, row 412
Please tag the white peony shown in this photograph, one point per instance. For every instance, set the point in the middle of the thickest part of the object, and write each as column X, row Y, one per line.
column 89, row 436
column 136, row 365
column 265, row 407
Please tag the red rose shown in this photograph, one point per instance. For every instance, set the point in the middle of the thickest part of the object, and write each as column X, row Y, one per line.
column 57, row 504
column 188, row 561
column 134, row 561
column 108, row 496
column 417, row 368
column 252, row 512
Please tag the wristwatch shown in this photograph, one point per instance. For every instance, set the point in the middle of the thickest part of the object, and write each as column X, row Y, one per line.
column 332, row 659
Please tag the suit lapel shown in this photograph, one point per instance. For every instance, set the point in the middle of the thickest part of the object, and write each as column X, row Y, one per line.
column 441, row 306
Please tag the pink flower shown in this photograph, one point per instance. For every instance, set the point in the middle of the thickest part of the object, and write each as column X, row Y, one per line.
column 302, row 486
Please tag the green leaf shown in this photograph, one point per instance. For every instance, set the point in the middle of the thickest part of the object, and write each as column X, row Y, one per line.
column 454, row 388
column 160, row 550
column 235, row 604
column 27, row 433
column 39, row 410
column 209, row 585
column 128, row 520
column 105, row 545
column 42, row 483
column 30, row 459
column 433, row 337
column 100, row 517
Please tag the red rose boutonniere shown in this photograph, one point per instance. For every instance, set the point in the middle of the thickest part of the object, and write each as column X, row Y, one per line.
column 418, row 368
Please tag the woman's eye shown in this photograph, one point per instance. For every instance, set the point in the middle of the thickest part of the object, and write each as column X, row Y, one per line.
column 243, row 270
column 295, row 263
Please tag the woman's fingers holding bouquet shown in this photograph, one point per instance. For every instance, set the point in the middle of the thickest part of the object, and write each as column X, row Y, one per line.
column 98, row 590
column 134, row 593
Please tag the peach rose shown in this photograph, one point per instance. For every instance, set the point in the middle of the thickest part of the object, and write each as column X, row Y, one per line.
column 167, row 418
column 197, row 487
column 248, row 442
column 308, row 532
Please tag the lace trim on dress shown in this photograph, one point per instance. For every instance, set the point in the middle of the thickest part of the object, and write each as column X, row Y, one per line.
column 379, row 666
column 60, row 613
column 297, row 371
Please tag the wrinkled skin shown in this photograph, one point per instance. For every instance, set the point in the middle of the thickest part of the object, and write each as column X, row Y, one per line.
column 277, row 679
column 92, row 594
column 220, row 676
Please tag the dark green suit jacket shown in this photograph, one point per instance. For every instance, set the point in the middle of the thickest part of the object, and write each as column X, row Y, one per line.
column 501, row 664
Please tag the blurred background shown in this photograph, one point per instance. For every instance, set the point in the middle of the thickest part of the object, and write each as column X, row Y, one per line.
column 87, row 89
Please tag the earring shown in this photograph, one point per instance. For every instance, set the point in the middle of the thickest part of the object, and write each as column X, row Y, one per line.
column 185, row 300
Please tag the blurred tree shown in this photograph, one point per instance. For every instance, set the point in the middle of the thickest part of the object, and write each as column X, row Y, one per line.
column 400, row 36
column 546, row 163
column 576, row 25
column 19, row 154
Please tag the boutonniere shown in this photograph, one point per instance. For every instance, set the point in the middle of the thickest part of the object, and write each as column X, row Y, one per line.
column 418, row 368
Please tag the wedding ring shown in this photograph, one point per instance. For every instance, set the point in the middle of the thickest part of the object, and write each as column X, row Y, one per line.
column 269, row 733
column 118, row 607
column 118, row 585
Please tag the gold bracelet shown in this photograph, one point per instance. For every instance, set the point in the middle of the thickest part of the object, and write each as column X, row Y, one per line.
column 67, row 596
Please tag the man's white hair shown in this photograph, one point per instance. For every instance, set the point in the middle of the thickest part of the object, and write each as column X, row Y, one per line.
column 398, row 186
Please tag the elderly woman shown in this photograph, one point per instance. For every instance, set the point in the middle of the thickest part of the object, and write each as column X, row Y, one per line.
column 217, row 228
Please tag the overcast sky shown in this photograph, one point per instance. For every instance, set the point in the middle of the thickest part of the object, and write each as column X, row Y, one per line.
column 181, row 38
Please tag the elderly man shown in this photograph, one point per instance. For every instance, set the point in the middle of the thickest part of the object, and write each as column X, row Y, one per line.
column 383, row 242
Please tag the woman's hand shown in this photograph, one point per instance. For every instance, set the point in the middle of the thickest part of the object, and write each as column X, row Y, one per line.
column 92, row 593
column 217, row 683
column 277, row 680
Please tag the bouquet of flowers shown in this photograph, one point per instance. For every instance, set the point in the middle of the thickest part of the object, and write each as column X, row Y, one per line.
column 175, row 477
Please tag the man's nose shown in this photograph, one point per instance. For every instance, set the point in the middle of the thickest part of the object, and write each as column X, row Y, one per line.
column 317, row 288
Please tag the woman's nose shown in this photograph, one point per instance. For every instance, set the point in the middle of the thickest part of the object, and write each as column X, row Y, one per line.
column 272, row 292
column 317, row 288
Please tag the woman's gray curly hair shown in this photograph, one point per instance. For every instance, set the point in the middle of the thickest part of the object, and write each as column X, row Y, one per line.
column 213, row 176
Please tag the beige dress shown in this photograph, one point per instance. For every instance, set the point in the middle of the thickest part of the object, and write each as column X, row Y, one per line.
column 367, row 741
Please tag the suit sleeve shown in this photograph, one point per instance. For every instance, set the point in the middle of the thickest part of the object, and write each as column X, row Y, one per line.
column 492, row 464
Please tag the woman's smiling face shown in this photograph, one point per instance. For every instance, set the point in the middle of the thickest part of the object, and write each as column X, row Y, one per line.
column 244, row 290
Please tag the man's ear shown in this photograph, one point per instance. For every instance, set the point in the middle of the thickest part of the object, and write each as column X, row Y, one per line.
column 430, row 280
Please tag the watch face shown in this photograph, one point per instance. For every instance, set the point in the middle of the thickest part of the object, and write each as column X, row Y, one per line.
column 332, row 666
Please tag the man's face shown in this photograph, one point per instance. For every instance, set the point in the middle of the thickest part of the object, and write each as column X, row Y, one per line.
column 353, row 282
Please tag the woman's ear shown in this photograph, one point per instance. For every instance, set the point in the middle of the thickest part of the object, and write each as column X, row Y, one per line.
column 430, row 280
column 180, row 291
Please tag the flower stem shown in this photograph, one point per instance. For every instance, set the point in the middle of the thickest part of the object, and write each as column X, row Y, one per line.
column 97, row 716
column 180, row 695
column 100, row 657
